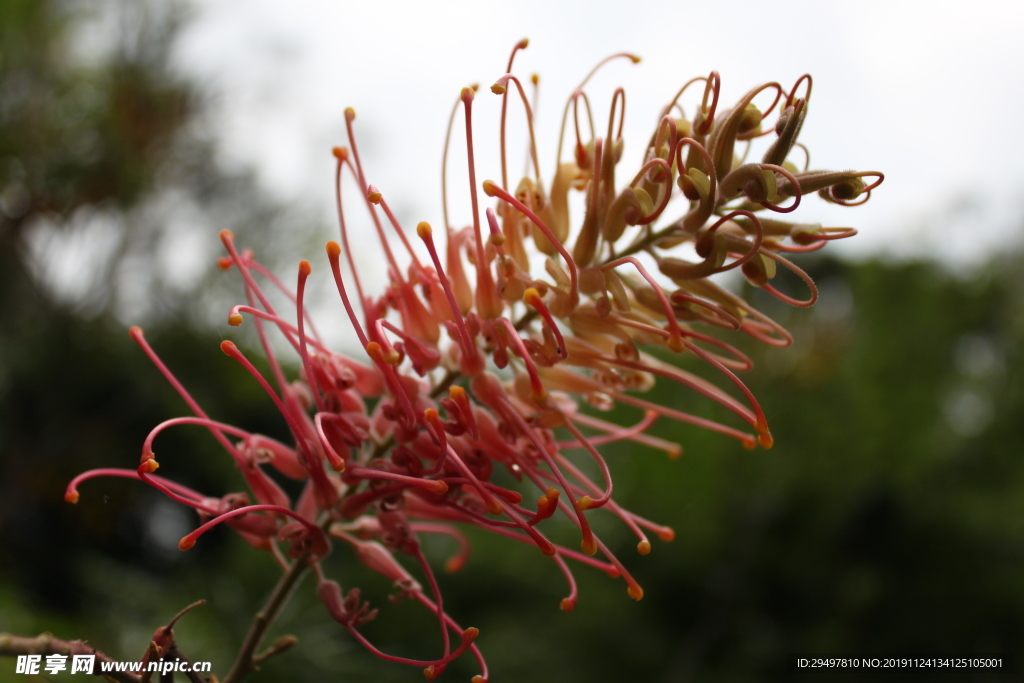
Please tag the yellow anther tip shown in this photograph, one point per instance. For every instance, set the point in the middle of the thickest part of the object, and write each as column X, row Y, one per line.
column 635, row 59
column 430, row 414
column 490, row 188
column 523, row 44
column 585, row 502
column 424, row 230
column 589, row 545
column 636, row 592
column 350, row 114
column 535, row 78
column 766, row 440
column 71, row 497
column 374, row 197
column 531, row 296
column 149, row 466
column 467, row 94
column 185, row 543
column 644, row 547
column 470, row 634
column 235, row 319
column 498, row 89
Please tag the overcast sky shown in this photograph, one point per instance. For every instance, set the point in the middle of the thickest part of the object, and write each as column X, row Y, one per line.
column 927, row 92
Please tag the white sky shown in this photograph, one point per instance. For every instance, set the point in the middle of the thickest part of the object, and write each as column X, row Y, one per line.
column 927, row 92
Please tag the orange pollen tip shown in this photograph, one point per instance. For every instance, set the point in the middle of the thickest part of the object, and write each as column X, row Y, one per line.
column 495, row 507
column 589, row 545
column 456, row 392
column 585, row 502
column 675, row 452
column 235, row 319
column 523, row 44
column 532, row 297
column 490, row 189
column 634, row 59
column 498, row 89
column 440, row 488
column 226, row 235
column 340, row 153
column 185, row 543
column 228, row 346
column 305, row 268
column 453, row 565
column 470, row 634
column 338, row 466
column 374, row 196
column 478, row 679
column 467, row 93
column 668, row 535
column 535, row 78
column 548, row 549
column 71, row 497
column 635, row 592
column 552, row 493
column 350, row 114
column 424, row 230
column 430, row 414
column 497, row 239
column 134, row 331
column 430, row 673
column 149, row 466
column 765, row 440
column 539, row 395
column 374, row 351
column 333, row 249
column 567, row 605
column 644, row 547
column 749, row 443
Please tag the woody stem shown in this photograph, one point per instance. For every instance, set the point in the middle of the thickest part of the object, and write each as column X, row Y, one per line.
column 244, row 663
column 45, row 644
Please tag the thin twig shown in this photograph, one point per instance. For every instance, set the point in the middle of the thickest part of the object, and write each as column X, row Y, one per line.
column 45, row 644
column 244, row 664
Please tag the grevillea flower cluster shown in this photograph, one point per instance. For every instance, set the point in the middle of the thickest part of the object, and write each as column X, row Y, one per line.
column 477, row 365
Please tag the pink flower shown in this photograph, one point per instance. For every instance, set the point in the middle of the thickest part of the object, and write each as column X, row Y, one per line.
column 483, row 368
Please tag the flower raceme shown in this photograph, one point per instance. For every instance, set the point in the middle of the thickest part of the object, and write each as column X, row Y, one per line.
column 477, row 373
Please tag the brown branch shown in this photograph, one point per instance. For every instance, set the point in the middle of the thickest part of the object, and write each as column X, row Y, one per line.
column 245, row 663
column 45, row 644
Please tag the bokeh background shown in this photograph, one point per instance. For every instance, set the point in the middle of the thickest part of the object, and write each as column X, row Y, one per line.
column 889, row 517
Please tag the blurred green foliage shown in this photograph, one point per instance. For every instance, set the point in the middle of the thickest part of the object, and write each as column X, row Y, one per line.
column 887, row 519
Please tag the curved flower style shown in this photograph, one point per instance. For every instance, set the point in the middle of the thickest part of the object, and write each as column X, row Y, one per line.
column 478, row 372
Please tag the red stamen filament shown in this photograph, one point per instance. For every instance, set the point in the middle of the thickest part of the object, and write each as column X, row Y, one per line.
column 675, row 340
column 189, row 540
column 492, row 190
